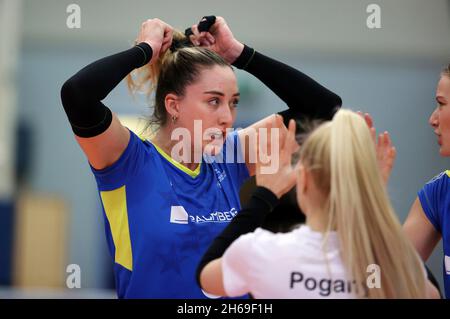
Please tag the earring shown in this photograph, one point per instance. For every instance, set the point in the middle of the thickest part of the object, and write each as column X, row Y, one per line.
column 174, row 119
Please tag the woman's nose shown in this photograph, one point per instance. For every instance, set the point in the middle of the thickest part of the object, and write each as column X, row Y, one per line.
column 433, row 120
column 226, row 116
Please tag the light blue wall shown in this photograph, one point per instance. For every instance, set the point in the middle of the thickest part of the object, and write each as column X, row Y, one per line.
column 57, row 164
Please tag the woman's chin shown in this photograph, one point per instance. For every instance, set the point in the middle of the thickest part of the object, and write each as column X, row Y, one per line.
column 444, row 151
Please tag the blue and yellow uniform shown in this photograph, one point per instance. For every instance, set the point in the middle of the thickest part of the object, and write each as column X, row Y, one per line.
column 435, row 200
column 160, row 217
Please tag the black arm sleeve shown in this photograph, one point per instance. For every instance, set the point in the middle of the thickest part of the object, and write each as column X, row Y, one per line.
column 81, row 95
column 247, row 220
column 304, row 96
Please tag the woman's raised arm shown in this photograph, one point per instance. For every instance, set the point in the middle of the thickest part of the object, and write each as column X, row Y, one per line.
column 99, row 132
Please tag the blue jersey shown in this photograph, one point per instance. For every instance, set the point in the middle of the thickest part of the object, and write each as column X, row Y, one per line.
column 435, row 200
column 160, row 217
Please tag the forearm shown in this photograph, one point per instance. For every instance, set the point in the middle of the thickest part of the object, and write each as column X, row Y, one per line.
column 82, row 94
column 247, row 220
column 304, row 96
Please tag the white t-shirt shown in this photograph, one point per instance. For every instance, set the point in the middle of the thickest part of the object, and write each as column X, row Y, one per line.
column 290, row 265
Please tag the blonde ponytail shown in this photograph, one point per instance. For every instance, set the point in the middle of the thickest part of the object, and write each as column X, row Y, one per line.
column 145, row 78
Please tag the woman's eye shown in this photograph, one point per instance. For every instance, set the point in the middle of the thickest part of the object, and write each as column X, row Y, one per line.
column 235, row 103
column 214, row 101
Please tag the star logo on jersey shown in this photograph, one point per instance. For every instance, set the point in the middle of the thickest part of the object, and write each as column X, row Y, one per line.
column 191, row 239
column 171, row 260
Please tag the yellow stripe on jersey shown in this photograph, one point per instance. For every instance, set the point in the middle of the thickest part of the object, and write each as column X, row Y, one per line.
column 447, row 172
column 115, row 205
column 191, row 173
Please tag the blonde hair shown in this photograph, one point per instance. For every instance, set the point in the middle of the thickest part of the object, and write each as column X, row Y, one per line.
column 341, row 158
column 171, row 73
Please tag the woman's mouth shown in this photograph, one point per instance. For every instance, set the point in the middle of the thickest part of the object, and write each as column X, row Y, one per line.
column 439, row 139
column 218, row 135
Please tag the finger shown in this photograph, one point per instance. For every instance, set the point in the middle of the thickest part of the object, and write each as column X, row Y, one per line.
column 282, row 130
column 379, row 146
column 373, row 133
column 388, row 139
column 391, row 158
column 205, row 43
column 258, row 149
column 201, row 39
column 382, row 143
column 262, row 158
column 278, row 125
column 271, row 125
column 287, row 147
column 195, row 30
column 276, row 120
column 381, row 140
column 273, row 121
column 291, row 132
column 264, row 141
column 368, row 119
column 166, row 45
column 271, row 131
column 210, row 38
column 393, row 153
column 167, row 37
column 194, row 40
column 290, row 138
column 288, row 144
column 385, row 139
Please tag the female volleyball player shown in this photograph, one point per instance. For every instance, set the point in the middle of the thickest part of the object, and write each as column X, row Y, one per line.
column 161, row 214
column 352, row 245
column 429, row 218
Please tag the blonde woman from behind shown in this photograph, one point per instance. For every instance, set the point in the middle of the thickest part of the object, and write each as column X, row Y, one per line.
column 352, row 245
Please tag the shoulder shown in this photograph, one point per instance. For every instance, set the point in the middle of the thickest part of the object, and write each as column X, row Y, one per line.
column 434, row 198
column 265, row 242
column 138, row 155
column 253, row 241
column 439, row 178
column 437, row 186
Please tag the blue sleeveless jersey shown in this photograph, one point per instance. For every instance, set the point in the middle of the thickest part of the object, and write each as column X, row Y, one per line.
column 160, row 217
column 435, row 200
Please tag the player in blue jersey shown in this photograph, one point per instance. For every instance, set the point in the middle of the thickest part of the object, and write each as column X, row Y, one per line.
column 163, row 207
column 429, row 218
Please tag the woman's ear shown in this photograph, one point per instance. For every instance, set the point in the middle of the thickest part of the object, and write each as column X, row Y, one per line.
column 171, row 102
column 303, row 179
